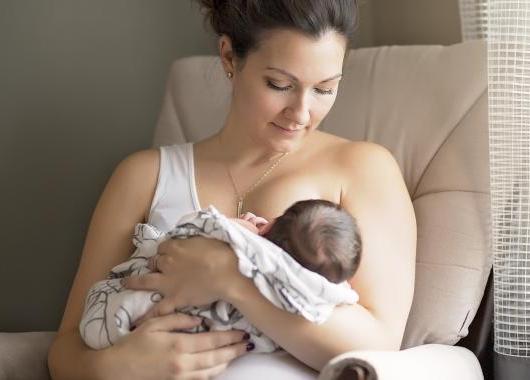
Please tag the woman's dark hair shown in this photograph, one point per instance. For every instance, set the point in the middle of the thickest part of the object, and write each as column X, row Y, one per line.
column 322, row 236
column 244, row 21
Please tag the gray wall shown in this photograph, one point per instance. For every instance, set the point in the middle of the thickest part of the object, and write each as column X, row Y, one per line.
column 409, row 22
column 415, row 22
column 81, row 83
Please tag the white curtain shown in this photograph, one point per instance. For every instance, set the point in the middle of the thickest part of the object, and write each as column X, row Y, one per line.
column 508, row 35
column 473, row 19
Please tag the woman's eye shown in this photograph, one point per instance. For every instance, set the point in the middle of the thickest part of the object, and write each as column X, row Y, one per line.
column 277, row 88
column 324, row 92
column 319, row 91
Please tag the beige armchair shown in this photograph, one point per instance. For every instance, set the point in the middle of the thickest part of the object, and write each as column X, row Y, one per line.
column 428, row 106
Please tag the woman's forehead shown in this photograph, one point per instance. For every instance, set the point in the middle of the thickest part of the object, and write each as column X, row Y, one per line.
column 306, row 58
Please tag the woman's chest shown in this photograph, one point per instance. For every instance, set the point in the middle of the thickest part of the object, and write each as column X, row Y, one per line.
column 273, row 194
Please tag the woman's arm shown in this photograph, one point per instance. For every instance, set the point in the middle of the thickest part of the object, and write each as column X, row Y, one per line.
column 152, row 351
column 376, row 195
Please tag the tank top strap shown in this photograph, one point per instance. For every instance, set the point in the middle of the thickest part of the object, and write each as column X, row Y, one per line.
column 175, row 193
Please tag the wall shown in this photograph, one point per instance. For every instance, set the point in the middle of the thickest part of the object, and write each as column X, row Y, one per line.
column 415, row 22
column 81, row 84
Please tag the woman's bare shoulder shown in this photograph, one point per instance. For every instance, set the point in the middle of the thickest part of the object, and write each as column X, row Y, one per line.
column 364, row 160
column 357, row 165
column 138, row 174
column 348, row 150
column 363, row 149
column 142, row 162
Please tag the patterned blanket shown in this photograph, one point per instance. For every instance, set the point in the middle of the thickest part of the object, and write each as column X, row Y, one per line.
column 110, row 309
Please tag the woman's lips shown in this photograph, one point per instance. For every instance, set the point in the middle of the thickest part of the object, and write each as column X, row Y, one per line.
column 287, row 132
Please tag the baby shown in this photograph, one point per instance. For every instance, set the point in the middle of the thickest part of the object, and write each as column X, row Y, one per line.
column 300, row 264
column 319, row 234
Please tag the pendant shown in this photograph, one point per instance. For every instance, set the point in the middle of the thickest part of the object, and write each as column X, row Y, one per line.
column 239, row 208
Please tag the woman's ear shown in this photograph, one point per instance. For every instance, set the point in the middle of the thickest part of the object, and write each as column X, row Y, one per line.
column 227, row 54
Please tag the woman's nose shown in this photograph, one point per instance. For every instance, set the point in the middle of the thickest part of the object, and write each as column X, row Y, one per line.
column 298, row 111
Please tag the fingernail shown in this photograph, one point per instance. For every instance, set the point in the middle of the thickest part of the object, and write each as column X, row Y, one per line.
column 246, row 336
column 250, row 346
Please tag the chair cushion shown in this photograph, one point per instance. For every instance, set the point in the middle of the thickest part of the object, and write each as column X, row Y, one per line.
column 23, row 356
column 428, row 106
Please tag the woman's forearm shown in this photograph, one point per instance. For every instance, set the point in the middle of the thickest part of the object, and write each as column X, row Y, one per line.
column 350, row 327
column 69, row 358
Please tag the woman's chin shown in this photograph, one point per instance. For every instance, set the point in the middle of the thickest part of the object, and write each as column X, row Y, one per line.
column 285, row 141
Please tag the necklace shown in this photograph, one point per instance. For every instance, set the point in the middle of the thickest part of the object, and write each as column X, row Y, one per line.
column 241, row 197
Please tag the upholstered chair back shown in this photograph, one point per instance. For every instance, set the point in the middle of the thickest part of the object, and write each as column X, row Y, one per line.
column 428, row 106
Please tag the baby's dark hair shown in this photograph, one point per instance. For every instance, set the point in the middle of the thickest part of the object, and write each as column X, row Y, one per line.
column 244, row 21
column 322, row 236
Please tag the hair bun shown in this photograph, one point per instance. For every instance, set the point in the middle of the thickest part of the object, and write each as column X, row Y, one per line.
column 244, row 21
column 215, row 12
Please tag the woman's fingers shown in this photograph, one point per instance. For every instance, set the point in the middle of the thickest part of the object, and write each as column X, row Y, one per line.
column 149, row 281
column 164, row 307
column 224, row 355
column 203, row 374
column 212, row 340
column 172, row 322
column 211, row 363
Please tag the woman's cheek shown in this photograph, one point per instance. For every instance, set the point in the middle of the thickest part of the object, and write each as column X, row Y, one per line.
column 269, row 107
column 323, row 107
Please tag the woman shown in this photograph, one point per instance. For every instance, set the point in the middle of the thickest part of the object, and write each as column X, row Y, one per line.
column 284, row 59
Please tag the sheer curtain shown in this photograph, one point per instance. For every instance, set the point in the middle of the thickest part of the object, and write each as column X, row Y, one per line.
column 506, row 26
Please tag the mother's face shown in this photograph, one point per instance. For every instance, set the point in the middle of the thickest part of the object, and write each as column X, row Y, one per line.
column 286, row 87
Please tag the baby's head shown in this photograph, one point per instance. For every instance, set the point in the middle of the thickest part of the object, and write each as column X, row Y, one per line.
column 321, row 236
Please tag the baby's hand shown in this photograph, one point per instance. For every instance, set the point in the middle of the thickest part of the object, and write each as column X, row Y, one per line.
column 258, row 221
column 245, row 223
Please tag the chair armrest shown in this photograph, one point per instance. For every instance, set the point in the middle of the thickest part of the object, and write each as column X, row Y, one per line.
column 430, row 361
column 23, row 356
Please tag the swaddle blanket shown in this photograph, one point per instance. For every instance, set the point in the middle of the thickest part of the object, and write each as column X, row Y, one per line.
column 111, row 309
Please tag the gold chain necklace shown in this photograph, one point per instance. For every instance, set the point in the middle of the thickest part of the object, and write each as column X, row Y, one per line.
column 241, row 197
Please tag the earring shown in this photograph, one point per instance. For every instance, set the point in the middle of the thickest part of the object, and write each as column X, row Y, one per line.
column 229, row 75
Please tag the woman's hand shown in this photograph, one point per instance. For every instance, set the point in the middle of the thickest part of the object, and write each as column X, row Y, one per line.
column 188, row 272
column 153, row 351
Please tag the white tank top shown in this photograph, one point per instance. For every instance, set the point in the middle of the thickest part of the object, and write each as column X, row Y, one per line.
column 176, row 193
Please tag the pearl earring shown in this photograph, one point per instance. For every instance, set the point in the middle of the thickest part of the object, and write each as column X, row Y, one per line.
column 229, row 75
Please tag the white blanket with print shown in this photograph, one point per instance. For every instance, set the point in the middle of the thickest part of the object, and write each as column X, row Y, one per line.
column 111, row 309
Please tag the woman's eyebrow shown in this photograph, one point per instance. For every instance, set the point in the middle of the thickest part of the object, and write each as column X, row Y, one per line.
column 296, row 79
